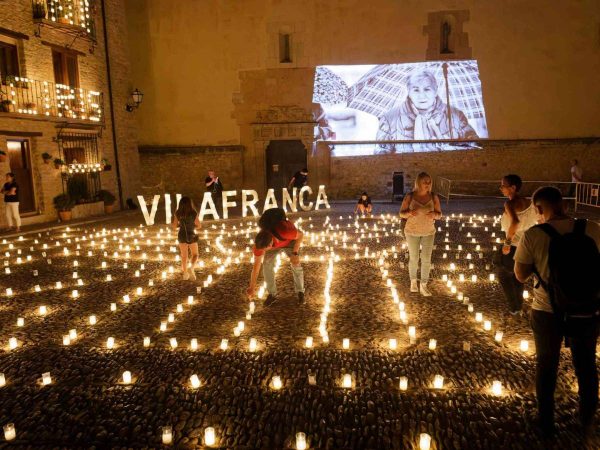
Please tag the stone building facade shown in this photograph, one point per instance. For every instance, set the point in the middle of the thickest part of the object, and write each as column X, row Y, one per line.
column 217, row 67
column 58, row 99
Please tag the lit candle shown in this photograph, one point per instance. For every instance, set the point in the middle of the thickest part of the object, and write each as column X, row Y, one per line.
column 75, row 293
column 497, row 387
column 171, row 318
column 525, row 294
column 146, row 341
column 179, row 308
column 127, row 377
column 473, row 278
column 309, row 342
column 403, row 383
column 195, row 381
column 9, row 432
column 20, row 321
column 300, row 441
column 73, row 334
column 66, row 339
column 478, row 317
column 113, row 307
column 190, row 300
column 224, row 344
column 498, row 336
column 173, row 342
column 432, row 344
column 524, row 345
column 167, row 435
column 163, row 326
column 209, row 436
column 110, row 342
column 252, row 345
column 2, row 380
column 236, row 332
column 109, row 277
column 438, row 382
column 126, row 298
column 9, row 292
column 276, row 382
column 412, row 332
column 346, row 343
column 492, row 277
column 393, row 344
column 424, row 441
column 487, row 325
column 37, row 288
column 12, row 343
column 194, row 344
column 93, row 320
column 347, row 381
column 46, row 378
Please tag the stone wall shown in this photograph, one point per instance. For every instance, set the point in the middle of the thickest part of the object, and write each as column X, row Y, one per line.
column 35, row 44
column 182, row 170
column 532, row 160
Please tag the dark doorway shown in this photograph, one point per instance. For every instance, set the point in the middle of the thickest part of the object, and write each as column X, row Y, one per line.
column 19, row 159
column 284, row 159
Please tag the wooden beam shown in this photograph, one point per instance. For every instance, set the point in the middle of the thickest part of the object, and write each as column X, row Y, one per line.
column 20, row 133
column 13, row 34
column 60, row 48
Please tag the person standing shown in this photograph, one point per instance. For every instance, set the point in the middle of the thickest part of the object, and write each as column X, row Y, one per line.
column 519, row 215
column 11, row 202
column 186, row 221
column 420, row 208
column 564, row 255
column 576, row 177
column 214, row 186
column 299, row 180
column 276, row 236
column 364, row 205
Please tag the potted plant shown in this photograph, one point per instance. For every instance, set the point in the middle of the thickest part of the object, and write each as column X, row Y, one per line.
column 63, row 204
column 39, row 9
column 2, row 156
column 105, row 165
column 47, row 157
column 109, row 200
column 58, row 163
column 5, row 105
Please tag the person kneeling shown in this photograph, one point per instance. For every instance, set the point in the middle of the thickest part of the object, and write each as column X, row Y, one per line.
column 282, row 236
column 364, row 205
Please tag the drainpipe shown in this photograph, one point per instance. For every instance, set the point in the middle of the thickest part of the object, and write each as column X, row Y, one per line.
column 112, row 106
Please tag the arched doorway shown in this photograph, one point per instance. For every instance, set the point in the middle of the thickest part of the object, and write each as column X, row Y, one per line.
column 284, row 158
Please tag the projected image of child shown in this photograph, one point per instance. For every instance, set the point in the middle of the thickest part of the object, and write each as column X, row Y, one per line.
column 422, row 116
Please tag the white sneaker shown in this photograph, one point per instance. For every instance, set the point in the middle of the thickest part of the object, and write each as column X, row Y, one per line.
column 414, row 286
column 186, row 275
column 424, row 291
column 192, row 274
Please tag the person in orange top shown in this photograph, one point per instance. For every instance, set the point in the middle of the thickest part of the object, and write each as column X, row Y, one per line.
column 283, row 237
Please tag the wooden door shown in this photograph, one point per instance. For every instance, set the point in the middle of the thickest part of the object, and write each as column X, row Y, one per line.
column 19, row 158
column 284, row 159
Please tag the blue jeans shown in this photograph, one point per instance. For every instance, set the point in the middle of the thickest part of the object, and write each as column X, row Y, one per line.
column 269, row 269
column 425, row 244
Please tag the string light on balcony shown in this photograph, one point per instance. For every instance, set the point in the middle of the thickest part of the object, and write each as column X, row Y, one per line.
column 84, row 168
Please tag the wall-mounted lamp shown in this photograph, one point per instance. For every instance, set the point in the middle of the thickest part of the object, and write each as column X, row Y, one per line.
column 136, row 97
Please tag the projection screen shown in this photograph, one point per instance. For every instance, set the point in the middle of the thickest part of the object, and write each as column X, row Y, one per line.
column 430, row 102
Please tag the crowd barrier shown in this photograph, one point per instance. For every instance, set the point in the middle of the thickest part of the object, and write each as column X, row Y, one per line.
column 586, row 194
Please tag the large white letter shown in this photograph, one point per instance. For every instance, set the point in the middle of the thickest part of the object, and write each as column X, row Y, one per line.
column 212, row 209
column 321, row 198
column 249, row 204
column 286, row 200
column 168, row 206
column 226, row 203
column 149, row 218
column 270, row 200
column 301, row 198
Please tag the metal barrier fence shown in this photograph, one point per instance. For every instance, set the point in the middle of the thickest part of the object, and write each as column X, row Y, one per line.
column 447, row 188
column 587, row 194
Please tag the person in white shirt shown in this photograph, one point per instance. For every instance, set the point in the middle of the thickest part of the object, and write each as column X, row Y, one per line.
column 576, row 176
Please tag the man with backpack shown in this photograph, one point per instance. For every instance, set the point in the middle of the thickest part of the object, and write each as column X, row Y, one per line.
column 564, row 255
column 277, row 234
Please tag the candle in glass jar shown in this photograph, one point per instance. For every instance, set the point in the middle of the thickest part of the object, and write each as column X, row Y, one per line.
column 209, row 436
column 276, row 382
column 497, row 387
column 195, row 381
column 194, row 344
column 309, row 342
column 432, row 344
column 403, row 383
column 252, row 345
column 127, row 377
column 9, row 432
column 110, row 342
column 524, row 346
column 146, row 341
column 438, row 382
column 300, row 441
column 346, row 343
column 46, row 378
column 393, row 344
column 424, row 441
column 347, row 381
column 167, row 435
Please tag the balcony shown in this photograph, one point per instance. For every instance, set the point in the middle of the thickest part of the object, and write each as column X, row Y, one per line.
column 43, row 98
column 69, row 16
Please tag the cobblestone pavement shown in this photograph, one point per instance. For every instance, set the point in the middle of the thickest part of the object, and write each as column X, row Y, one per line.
column 352, row 293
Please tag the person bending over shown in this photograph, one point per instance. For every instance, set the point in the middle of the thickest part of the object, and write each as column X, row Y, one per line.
column 282, row 236
column 186, row 220
column 364, row 205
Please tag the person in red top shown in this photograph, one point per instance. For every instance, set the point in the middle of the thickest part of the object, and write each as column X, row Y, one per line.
column 284, row 237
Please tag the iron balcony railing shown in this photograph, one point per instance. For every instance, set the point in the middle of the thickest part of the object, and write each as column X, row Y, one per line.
column 44, row 98
column 72, row 13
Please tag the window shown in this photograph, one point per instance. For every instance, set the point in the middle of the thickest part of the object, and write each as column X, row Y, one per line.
column 66, row 70
column 80, row 152
column 9, row 60
column 285, row 54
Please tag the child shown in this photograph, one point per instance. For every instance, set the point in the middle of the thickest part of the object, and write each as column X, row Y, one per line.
column 186, row 219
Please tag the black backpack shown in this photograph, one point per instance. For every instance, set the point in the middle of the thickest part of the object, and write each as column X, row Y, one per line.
column 573, row 286
column 270, row 218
